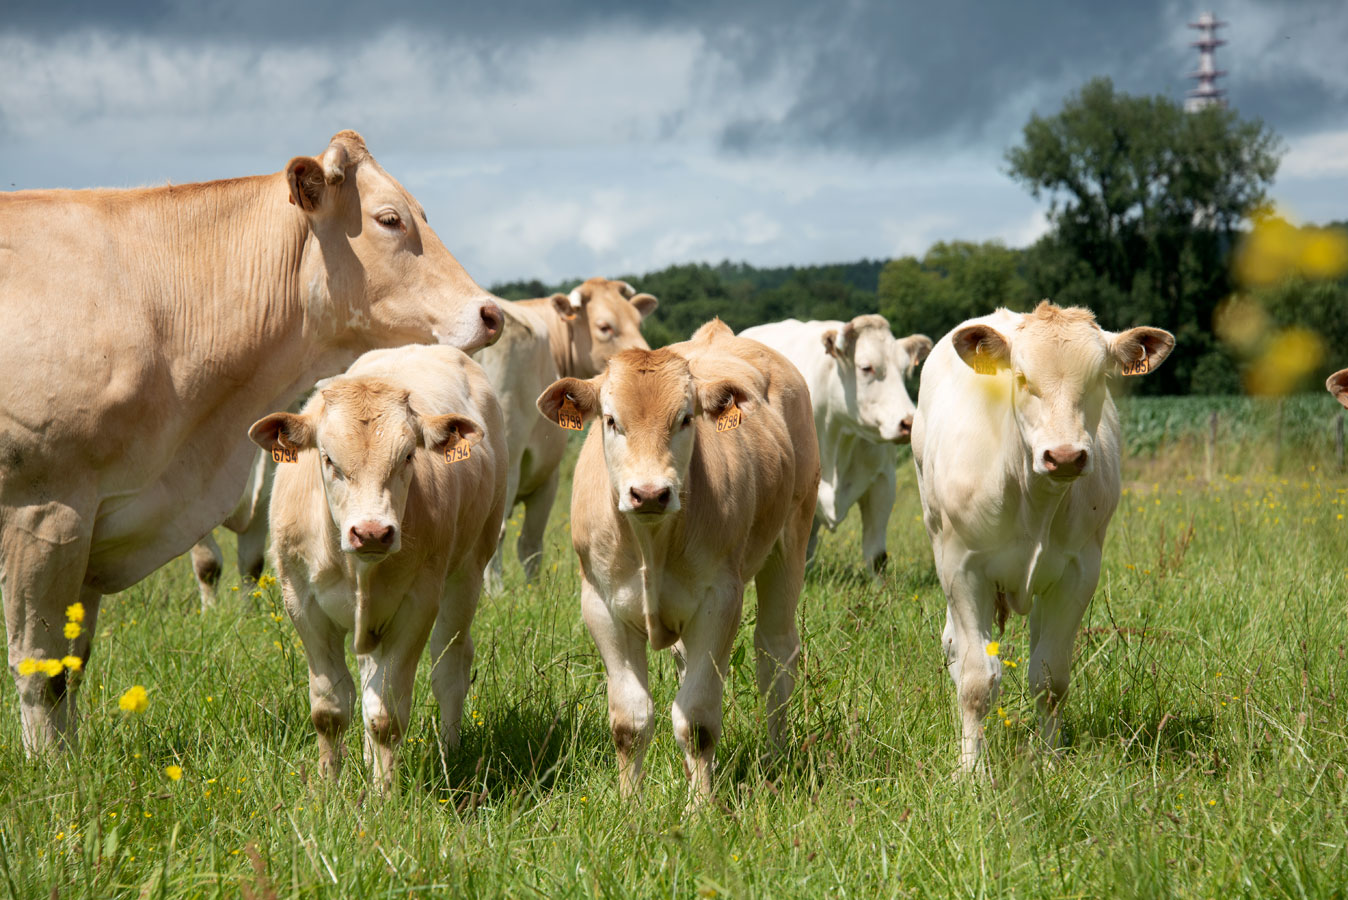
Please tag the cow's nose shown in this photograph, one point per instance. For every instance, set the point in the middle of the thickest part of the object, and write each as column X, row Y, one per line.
column 905, row 430
column 649, row 498
column 371, row 536
column 1065, row 460
column 492, row 318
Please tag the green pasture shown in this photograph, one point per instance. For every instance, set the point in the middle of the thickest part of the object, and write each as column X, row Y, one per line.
column 1207, row 754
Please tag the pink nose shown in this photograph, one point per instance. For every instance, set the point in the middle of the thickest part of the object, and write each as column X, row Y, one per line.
column 649, row 498
column 371, row 536
column 492, row 317
column 905, row 430
column 1065, row 461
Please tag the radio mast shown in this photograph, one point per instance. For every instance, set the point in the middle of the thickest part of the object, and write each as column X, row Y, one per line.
column 1207, row 93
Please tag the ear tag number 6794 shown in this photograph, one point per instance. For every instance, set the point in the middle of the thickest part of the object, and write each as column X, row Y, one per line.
column 458, row 451
column 729, row 419
column 285, row 454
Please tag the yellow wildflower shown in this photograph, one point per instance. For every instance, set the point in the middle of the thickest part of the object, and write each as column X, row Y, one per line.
column 134, row 700
column 27, row 666
column 73, row 663
column 51, row 667
column 75, row 612
column 72, row 630
column 993, row 648
column 174, row 772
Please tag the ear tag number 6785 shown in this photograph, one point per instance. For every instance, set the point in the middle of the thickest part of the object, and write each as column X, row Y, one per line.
column 729, row 419
column 1136, row 368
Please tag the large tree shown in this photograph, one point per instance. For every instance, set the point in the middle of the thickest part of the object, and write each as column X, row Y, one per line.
column 1145, row 201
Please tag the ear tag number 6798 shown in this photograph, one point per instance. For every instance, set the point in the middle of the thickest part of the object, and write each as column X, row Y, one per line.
column 568, row 416
column 729, row 419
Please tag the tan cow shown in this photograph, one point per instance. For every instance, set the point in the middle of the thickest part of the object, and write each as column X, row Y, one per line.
column 563, row 336
column 249, row 522
column 1016, row 442
column 1337, row 384
column 145, row 330
column 701, row 475
column 382, row 527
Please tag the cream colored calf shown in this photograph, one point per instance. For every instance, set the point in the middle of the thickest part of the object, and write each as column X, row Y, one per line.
column 700, row 475
column 381, row 527
column 1016, row 442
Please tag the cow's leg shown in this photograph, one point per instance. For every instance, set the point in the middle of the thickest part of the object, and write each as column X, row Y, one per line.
column 494, row 577
column 1054, row 620
column 537, row 508
column 331, row 689
column 207, row 563
column 876, row 505
column 630, row 711
column 452, row 651
column 813, row 544
column 44, row 554
column 706, row 644
column 387, row 674
column 977, row 676
column 776, row 639
column 253, row 547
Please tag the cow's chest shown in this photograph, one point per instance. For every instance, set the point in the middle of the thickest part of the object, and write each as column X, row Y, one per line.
column 334, row 591
column 677, row 598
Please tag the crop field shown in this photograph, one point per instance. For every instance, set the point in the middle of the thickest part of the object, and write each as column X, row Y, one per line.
column 1206, row 749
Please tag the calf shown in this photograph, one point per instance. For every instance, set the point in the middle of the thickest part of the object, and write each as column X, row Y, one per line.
column 381, row 526
column 701, row 476
column 1016, row 442
column 1337, row 384
column 563, row 336
column 862, row 412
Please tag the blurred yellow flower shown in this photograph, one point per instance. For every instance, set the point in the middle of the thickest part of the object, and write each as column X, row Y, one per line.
column 134, row 700
column 28, row 665
column 1287, row 358
column 75, row 612
column 73, row 663
column 51, row 667
column 993, row 648
column 174, row 772
column 72, row 630
column 1276, row 248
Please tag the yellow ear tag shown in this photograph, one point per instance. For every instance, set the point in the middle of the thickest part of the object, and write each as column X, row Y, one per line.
column 459, row 450
column 285, row 454
column 568, row 416
column 984, row 365
column 729, row 419
column 1136, row 368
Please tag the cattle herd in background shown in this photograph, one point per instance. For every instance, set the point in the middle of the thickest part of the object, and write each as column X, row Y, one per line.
column 709, row 463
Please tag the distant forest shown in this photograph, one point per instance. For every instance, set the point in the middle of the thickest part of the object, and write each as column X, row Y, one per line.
column 1156, row 217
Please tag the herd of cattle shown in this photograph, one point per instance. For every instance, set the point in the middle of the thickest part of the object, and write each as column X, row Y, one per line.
column 202, row 311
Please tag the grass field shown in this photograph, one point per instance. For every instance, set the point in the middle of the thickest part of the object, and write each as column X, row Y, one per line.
column 1207, row 754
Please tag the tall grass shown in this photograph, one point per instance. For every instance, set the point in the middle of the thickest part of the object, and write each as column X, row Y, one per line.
column 1206, row 747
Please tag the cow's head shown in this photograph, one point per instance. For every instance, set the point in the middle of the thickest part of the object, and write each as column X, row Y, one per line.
column 651, row 409
column 1059, row 362
column 366, row 434
column 871, row 365
column 1338, row 386
column 605, row 318
column 377, row 275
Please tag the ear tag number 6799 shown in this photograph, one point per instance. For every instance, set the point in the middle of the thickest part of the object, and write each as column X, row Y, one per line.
column 729, row 419
column 568, row 416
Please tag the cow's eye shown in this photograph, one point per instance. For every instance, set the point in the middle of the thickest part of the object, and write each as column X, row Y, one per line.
column 332, row 467
column 687, row 420
column 608, row 421
column 868, row 371
column 410, row 454
column 389, row 220
column 605, row 329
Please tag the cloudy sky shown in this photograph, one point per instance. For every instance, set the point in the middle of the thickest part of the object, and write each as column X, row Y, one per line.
column 558, row 138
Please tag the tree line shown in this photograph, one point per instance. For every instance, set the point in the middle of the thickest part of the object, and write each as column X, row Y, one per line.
column 1149, row 209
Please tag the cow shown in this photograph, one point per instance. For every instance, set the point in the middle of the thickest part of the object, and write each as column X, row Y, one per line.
column 145, row 330
column 382, row 527
column 700, row 475
column 249, row 522
column 1016, row 443
column 563, row 336
column 862, row 412
column 1337, row 384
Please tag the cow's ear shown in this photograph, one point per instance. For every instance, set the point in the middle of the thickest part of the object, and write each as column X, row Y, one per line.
column 307, row 183
column 645, row 304
column 1140, row 350
column 1338, row 386
column 283, row 431
column 830, row 341
column 917, row 346
column 564, row 307
column 570, row 396
column 716, row 397
column 441, row 432
column 982, row 348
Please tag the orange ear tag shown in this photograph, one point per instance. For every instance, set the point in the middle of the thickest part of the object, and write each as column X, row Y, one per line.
column 568, row 416
column 1136, row 368
column 285, row 454
column 729, row 419
column 458, row 451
